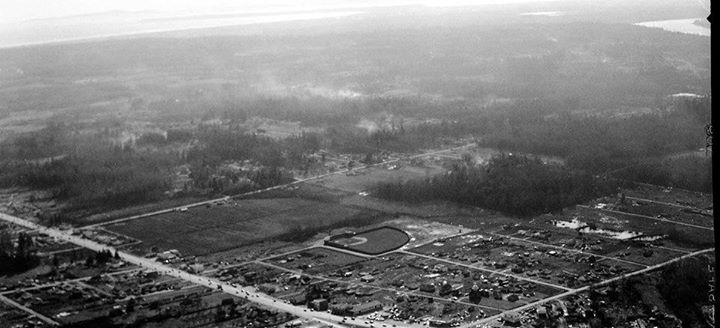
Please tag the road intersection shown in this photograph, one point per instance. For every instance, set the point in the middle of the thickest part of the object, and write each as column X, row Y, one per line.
column 254, row 296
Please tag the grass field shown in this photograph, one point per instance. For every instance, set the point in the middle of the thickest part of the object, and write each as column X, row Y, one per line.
column 205, row 230
column 372, row 176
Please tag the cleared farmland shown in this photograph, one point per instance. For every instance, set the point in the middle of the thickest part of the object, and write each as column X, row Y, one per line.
column 368, row 178
column 206, row 230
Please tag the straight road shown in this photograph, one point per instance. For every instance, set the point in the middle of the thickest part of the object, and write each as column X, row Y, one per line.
column 57, row 283
column 245, row 292
column 484, row 269
column 664, row 203
column 299, row 181
column 648, row 217
column 576, row 251
column 28, row 310
column 377, row 287
column 586, row 288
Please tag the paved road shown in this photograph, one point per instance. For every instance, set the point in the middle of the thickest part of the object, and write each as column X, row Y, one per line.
column 28, row 310
column 379, row 288
column 57, row 283
column 485, row 269
column 248, row 292
column 582, row 289
column 649, row 217
column 664, row 203
column 299, row 181
column 571, row 250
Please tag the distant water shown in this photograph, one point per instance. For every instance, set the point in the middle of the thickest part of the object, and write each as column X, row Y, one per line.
column 686, row 26
column 125, row 24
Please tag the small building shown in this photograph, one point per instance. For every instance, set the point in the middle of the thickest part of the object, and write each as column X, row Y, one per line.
column 340, row 309
column 296, row 299
column 319, row 304
column 269, row 288
column 428, row 288
column 512, row 319
column 366, row 308
column 542, row 312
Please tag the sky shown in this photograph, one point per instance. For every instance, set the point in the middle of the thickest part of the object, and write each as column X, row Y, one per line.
column 22, row 10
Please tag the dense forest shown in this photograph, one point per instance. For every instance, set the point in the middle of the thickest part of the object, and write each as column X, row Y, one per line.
column 517, row 185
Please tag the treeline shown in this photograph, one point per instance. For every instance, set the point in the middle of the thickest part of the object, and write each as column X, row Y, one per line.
column 689, row 172
column 100, row 176
column 351, row 139
column 599, row 143
column 162, row 139
column 16, row 257
column 516, row 185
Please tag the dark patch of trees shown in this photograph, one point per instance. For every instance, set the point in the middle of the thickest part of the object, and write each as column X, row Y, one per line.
column 16, row 257
column 598, row 143
column 685, row 288
column 99, row 258
column 687, row 172
column 517, row 185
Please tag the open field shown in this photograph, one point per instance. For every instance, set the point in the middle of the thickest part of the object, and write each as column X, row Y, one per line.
column 614, row 222
column 367, row 178
column 671, row 195
column 683, row 212
column 204, row 230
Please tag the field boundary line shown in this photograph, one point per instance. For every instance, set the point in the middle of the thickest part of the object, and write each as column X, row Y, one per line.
column 298, row 181
column 571, row 250
column 648, row 217
column 488, row 270
column 662, row 203
column 585, row 288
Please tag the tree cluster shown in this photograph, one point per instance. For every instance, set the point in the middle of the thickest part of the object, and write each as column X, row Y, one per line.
column 16, row 256
column 686, row 172
column 517, row 185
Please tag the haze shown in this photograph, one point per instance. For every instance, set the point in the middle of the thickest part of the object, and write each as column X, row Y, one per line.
column 385, row 164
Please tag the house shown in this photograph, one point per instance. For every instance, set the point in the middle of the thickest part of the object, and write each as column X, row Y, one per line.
column 366, row 308
column 269, row 288
column 340, row 308
column 512, row 319
column 319, row 304
column 542, row 312
column 296, row 298
column 428, row 288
